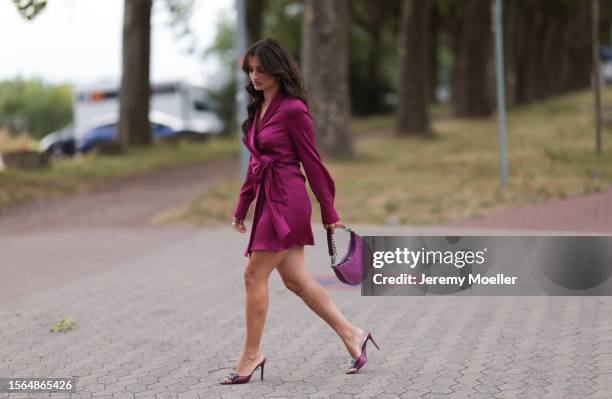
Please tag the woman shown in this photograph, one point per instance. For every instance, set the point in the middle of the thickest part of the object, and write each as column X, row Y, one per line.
column 279, row 135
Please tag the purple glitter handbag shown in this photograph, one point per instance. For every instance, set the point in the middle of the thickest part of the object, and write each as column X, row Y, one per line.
column 355, row 266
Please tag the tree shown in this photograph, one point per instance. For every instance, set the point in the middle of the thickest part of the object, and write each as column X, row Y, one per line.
column 254, row 20
column 471, row 86
column 372, row 45
column 180, row 20
column 283, row 21
column 560, row 60
column 134, row 128
column 34, row 107
column 326, row 73
column 414, row 67
column 30, row 8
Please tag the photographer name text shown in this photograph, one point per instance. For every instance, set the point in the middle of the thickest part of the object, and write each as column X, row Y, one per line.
column 423, row 279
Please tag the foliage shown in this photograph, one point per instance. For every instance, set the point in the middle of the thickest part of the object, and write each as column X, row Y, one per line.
column 181, row 12
column 66, row 324
column 34, row 107
column 283, row 22
column 223, row 47
column 372, row 66
column 30, row 8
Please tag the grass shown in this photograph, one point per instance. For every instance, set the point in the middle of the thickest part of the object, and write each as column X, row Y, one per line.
column 81, row 173
column 21, row 141
column 408, row 180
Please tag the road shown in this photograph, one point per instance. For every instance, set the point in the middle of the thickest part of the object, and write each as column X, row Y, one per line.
column 159, row 312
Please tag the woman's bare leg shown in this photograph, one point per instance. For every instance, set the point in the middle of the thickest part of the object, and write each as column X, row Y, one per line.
column 256, row 274
column 292, row 270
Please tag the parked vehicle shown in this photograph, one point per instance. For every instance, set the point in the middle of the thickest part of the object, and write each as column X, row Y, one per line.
column 176, row 108
column 104, row 129
column 59, row 143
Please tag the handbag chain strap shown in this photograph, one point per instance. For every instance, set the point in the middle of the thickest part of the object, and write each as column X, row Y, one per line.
column 334, row 251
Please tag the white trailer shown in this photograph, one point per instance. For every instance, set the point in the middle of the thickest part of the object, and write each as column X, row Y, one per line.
column 181, row 106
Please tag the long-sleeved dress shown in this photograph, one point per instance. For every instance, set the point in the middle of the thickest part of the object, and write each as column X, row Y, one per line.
column 278, row 143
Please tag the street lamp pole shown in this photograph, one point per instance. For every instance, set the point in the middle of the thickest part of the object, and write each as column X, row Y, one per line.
column 496, row 11
column 241, row 95
column 596, row 73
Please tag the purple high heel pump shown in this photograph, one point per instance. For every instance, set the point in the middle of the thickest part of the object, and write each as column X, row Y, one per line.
column 234, row 378
column 358, row 363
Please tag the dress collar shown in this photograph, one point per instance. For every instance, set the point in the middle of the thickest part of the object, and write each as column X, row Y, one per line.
column 274, row 104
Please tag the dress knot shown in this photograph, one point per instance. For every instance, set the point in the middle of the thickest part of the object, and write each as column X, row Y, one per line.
column 267, row 160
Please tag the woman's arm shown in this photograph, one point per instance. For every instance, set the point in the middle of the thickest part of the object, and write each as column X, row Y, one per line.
column 247, row 194
column 302, row 134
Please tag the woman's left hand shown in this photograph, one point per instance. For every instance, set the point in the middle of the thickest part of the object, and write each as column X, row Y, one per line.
column 333, row 226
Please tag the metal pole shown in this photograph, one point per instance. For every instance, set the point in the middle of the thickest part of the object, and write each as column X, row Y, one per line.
column 496, row 10
column 596, row 72
column 241, row 95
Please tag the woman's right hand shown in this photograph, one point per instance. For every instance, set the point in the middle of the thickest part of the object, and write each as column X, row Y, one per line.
column 239, row 225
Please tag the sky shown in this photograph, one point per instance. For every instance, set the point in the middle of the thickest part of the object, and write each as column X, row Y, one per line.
column 79, row 42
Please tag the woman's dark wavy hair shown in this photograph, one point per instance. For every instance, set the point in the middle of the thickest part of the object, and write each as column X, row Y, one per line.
column 273, row 59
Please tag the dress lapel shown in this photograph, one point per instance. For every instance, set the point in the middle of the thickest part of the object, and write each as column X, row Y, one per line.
column 276, row 102
column 251, row 135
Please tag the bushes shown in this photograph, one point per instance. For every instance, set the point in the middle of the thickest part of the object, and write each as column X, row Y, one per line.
column 34, row 107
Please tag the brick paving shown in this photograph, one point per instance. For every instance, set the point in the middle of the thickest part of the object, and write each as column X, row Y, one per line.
column 159, row 312
column 591, row 213
column 168, row 323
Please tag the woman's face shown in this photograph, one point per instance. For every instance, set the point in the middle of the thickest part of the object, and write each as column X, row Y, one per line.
column 261, row 81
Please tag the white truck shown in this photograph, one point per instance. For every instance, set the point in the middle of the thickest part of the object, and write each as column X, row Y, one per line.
column 176, row 107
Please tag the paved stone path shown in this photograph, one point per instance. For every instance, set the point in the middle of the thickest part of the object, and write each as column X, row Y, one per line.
column 168, row 323
column 159, row 312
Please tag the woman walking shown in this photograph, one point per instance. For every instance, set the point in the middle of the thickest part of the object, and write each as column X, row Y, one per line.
column 279, row 135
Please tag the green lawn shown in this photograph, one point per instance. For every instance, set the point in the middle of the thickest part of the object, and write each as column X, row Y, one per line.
column 83, row 172
column 550, row 150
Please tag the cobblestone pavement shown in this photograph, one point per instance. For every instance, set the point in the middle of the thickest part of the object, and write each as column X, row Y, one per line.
column 86, row 233
column 159, row 310
column 165, row 320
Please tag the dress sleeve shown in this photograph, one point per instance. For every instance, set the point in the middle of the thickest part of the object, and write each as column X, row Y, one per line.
column 247, row 193
column 302, row 134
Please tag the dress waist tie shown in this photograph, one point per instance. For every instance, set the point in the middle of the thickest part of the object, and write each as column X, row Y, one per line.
column 265, row 168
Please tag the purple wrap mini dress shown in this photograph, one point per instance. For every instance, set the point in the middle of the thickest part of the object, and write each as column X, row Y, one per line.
column 282, row 140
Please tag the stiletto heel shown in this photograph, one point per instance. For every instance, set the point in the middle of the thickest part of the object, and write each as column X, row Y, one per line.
column 374, row 342
column 234, row 378
column 356, row 364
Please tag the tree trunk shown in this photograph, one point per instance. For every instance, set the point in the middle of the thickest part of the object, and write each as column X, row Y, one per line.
column 547, row 83
column 434, row 28
column 254, row 20
column 472, row 61
column 527, row 56
column 134, row 128
column 512, row 31
column 414, row 61
column 578, row 46
column 325, row 65
column 559, row 60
